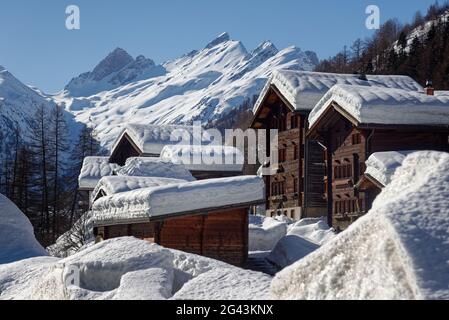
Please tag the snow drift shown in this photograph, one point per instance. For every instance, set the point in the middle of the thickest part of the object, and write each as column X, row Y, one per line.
column 265, row 232
column 303, row 237
column 17, row 239
column 129, row 269
column 399, row 250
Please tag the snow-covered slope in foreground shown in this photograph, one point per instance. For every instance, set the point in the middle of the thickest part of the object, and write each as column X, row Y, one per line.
column 17, row 239
column 202, row 85
column 129, row 269
column 399, row 250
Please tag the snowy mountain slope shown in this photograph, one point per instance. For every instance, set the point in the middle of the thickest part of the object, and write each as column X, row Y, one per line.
column 117, row 69
column 18, row 105
column 420, row 32
column 202, row 85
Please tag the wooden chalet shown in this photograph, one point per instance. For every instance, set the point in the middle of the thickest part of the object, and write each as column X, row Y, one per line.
column 148, row 141
column 206, row 161
column 93, row 169
column 208, row 218
column 354, row 122
column 155, row 141
column 297, row 189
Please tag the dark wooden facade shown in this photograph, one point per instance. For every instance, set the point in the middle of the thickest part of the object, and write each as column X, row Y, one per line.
column 124, row 150
column 290, row 190
column 348, row 146
column 221, row 235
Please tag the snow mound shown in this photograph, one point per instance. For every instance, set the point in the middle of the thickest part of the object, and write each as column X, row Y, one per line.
column 265, row 232
column 290, row 249
column 226, row 284
column 302, row 238
column 315, row 230
column 149, row 284
column 17, row 278
column 127, row 269
column 382, row 165
column 102, row 266
column 155, row 167
column 377, row 105
column 399, row 250
column 17, row 240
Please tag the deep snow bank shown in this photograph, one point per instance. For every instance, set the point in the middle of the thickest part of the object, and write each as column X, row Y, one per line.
column 17, row 239
column 265, row 232
column 399, row 250
column 128, row 268
column 303, row 237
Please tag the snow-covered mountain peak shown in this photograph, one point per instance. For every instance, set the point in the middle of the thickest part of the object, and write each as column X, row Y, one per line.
column 265, row 48
column 204, row 85
column 114, row 62
column 224, row 37
column 117, row 69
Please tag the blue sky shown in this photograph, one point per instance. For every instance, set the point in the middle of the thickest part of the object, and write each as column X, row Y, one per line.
column 37, row 48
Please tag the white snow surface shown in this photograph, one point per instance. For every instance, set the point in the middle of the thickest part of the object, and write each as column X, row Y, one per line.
column 377, row 105
column 304, row 89
column 399, row 250
column 265, row 232
column 226, row 284
column 442, row 93
column 202, row 85
column 128, row 269
column 303, row 237
column 117, row 184
column 143, row 204
column 156, row 168
column 18, row 106
column 94, row 168
column 205, row 158
column 17, row 240
column 382, row 165
column 151, row 139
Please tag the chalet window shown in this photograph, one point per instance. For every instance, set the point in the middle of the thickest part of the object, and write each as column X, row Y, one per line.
column 356, row 138
column 282, row 123
column 294, row 121
column 343, row 171
column 282, row 155
column 296, row 152
column 278, row 188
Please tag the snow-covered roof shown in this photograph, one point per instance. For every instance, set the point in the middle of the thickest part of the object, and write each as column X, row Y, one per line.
column 151, row 139
column 155, row 167
column 377, row 105
column 399, row 250
column 144, row 204
column 382, row 165
column 94, row 168
column 205, row 158
column 303, row 89
column 442, row 93
column 116, row 184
